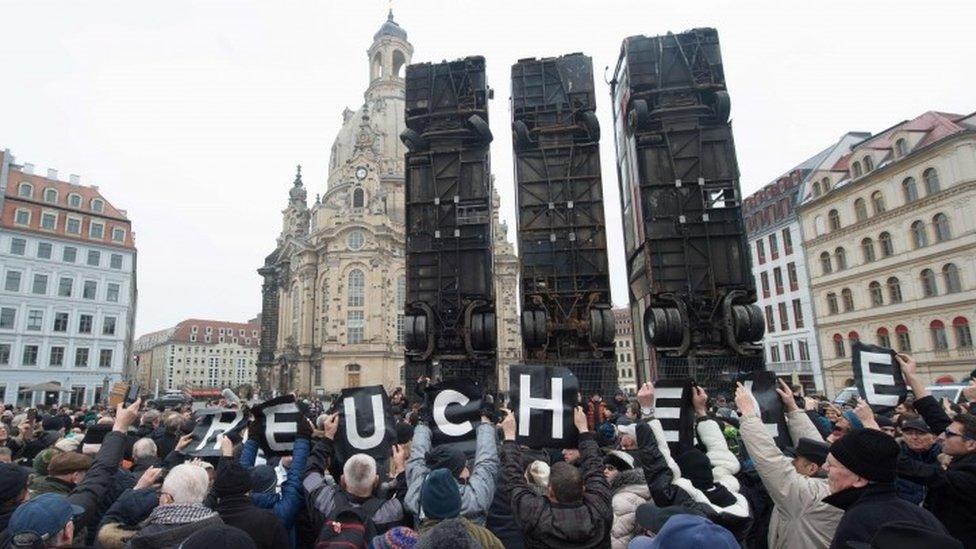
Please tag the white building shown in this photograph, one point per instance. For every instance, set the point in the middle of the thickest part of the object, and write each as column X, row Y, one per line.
column 782, row 281
column 67, row 288
column 624, row 345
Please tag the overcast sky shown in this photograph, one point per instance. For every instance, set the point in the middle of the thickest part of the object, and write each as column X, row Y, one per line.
column 191, row 115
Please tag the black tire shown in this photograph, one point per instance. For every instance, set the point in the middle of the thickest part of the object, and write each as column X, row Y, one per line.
column 591, row 125
column 675, row 326
column 655, row 326
column 741, row 323
column 480, row 128
column 520, row 135
column 639, row 115
column 609, row 327
column 534, row 328
column 490, row 326
column 416, row 336
column 413, row 140
column 596, row 327
column 722, row 107
column 758, row 324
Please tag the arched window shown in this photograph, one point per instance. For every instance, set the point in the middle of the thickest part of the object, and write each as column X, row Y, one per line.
column 852, row 336
column 818, row 225
column 816, row 188
column 894, row 290
column 825, row 265
column 868, row 164
column 357, row 288
column 919, row 237
column 951, row 274
column 358, row 198
column 848, row 298
column 74, row 200
column 398, row 62
column 941, row 224
column 964, row 338
column 860, row 209
column 825, row 183
column 884, row 340
column 51, row 195
column 832, row 303
column 376, row 67
column 867, row 248
column 878, row 202
column 901, row 147
column 97, row 205
column 940, row 342
column 856, row 169
column 909, row 190
column 903, row 338
column 929, row 286
column 839, row 351
column 840, row 255
column 877, row 296
column 353, row 372
column 887, row 246
column 833, row 219
column 931, row 178
column 25, row 190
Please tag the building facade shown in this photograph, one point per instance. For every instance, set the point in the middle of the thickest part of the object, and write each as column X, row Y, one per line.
column 889, row 235
column 68, row 294
column 624, row 345
column 199, row 353
column 783, row 290
column 334, row 289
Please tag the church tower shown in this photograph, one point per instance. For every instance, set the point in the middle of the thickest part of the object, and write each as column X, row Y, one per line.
column 295, row 216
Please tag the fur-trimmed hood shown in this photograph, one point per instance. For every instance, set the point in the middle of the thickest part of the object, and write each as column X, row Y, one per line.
column 627, row 478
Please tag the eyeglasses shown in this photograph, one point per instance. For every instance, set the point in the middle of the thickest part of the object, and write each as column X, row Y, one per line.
column 950, row 434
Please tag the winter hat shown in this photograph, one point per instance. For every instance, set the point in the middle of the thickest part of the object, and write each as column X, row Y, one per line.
column 263, row 479
column 400, row 537
column 232, row 480
column 440, row 496
column 13, row 480
column 651, row 517
column 43, row 459
column 445, row 457
column 868, row 453
column 69, row 462
column 68, row 444
column 607, row 431
column 855, row 421
column 451, row 533
column 884, row 421
column 620, row 460
column 404, row 432
column 693, row 531
column 696, row 467
column 219, row 536
column 52, row 423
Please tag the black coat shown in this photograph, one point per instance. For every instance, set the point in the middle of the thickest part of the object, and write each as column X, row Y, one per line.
column 951, row 493
column 261, row 524
column 869, row 508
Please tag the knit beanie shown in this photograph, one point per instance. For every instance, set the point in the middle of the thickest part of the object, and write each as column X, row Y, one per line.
column 263, row 479
column 43, row 459
column 855, row 421
column 446, row 457
column 219, row 536
column 232, row 480
column 868, row 453
column 440, row 496
column 404, row 432
column 451, row 533
column 400, row 537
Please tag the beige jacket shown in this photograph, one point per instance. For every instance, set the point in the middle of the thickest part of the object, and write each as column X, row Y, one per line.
column 800, row 520
column 630, row 490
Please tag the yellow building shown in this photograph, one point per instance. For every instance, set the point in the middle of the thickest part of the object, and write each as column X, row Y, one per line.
column 890, row 241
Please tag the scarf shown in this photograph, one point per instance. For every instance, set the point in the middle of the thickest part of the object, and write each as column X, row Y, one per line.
column 179, row 513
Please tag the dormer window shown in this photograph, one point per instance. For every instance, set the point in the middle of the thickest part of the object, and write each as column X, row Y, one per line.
column 97, row 205
column 901, row 147
column 74, row 200
column 25, row 190
column 51, row 195
column 868, row 164
column 856, row 169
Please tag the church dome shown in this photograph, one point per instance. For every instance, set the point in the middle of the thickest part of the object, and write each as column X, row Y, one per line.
column 390, row 28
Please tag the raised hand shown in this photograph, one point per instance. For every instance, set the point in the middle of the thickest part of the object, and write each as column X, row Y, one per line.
column 331, row 426
column 908, row 365
column 125, row 416
column 579, row 420
column 744, row 401
column 699, row 399
column 786, row 395
column 148, row 477
column 645, row 395
column 184, row 441
column 508, row 424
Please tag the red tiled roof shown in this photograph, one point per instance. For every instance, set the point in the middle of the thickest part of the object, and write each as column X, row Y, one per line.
column 185, row 328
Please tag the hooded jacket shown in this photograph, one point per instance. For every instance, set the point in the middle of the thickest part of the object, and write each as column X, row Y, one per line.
column 668, row 487
column 629, row 491
column 800, row 518
column 548, row 524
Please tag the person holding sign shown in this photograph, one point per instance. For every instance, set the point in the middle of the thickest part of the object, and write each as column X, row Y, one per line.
column 477, row 484
column 576, row 510
column 797, row 486
column 700, row 481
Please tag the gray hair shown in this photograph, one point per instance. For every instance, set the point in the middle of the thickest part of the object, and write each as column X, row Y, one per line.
column 143, row 448
column 187, row 483
column 359, row 474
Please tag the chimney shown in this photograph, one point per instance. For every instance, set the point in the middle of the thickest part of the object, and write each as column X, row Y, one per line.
column 75, row 179
column 28, row 168
column 52, row 173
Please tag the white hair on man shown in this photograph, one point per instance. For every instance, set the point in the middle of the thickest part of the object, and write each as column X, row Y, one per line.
column 187, row 483
column 320, row 421
column 537, row 473
column 143, row 448
column 359, row 475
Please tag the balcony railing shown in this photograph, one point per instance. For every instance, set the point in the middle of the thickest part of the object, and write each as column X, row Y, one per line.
column 791, row 366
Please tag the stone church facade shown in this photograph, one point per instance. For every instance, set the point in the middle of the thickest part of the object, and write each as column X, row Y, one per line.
column 334, row 288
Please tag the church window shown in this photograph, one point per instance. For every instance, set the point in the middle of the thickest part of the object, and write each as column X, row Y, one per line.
column 398, row 63
column 401, row 291
column 376, row 67
column 355, row 240
column 358, row 198
column 354, row 327
column 295, row 309
column 357, row 288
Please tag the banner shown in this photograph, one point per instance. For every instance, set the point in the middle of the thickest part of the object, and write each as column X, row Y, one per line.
column 366, row 423
column 672, row 406
column 543, row 398
column 453, row 410
column 763, row 386
column 878, row 376
column 279, row 417
column 210, row 424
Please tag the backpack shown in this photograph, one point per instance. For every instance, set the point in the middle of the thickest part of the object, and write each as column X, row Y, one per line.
column 348, row 525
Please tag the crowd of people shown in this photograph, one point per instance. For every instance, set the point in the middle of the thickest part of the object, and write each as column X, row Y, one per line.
column 122, row 478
